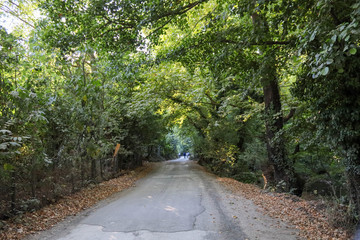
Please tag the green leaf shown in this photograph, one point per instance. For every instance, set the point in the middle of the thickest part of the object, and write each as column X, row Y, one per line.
column 353, row 51
column 97, row 83
column 3, row 146
column 333, row 38
column 5, row 131
column 8, row 167
column 325, row 71
column 329, row 61
column 312, row 37
column 14, row 144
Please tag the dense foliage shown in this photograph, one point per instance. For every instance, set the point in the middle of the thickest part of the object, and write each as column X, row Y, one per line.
column 262, row 91
column 61, row 119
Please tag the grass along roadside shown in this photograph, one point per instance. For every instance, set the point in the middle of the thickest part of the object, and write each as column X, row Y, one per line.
column 45, row 218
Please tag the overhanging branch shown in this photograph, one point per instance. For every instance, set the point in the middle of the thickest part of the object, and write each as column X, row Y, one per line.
column 256, row 44
column 9, row 11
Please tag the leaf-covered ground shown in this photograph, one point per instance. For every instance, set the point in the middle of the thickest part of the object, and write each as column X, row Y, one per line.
column 306, row 216
column 47, row 217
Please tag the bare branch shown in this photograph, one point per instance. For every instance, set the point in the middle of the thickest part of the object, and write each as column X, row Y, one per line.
column 157, row 29
column 14, row 4
column 11, row 12
column 179, row 11
column 115, row 29
column 256, row 44
column 290, row 115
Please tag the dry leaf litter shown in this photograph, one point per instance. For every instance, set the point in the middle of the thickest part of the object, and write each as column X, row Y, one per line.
column 47, row 217
column 306, row 216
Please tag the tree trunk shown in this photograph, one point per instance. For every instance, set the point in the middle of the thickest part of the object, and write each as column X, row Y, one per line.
column 93, row 169
column 13, row 191
column 102, row 169
column 33, row 178
column 353, row 176
column 268, row 174
column 283, row 171
column 354, row 190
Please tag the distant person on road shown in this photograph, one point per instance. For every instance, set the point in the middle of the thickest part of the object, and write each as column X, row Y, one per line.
column 179, row 155
column 188, row 155
column 184, row 155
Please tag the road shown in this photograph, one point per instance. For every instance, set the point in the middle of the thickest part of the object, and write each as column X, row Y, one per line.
column 179, row 200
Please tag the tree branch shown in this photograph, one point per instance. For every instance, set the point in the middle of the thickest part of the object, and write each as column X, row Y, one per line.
column 179, row 11
column 180, row 101
column 115, row 29
column 196, row 126
column 256, row 44
column 158, row 28
column 213, row 102
column 9, row 11
column 14, row 4
column 290, row 115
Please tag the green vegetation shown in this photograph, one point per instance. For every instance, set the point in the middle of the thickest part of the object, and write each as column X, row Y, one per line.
column 253, row 89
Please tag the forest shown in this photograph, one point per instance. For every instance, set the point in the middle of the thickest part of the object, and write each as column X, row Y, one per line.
column 265, row 92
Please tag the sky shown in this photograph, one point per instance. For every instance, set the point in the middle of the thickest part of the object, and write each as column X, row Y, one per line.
column 26, row 11
column 9, row 22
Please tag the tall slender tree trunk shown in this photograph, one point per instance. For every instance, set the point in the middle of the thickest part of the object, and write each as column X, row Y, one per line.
column 283, row 171
column 13, row 191
column 101, row 169
column 93, row 171
column 33, row 178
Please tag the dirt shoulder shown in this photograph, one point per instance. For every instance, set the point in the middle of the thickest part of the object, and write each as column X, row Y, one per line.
column 308, row 217
column 69, row 206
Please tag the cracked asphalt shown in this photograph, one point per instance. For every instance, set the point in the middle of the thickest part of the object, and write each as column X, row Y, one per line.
column 177, row 201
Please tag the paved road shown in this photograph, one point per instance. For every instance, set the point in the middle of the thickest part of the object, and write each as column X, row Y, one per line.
column 177, row 201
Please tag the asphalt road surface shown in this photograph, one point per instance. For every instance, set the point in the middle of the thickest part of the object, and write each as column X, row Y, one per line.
column 178, row 201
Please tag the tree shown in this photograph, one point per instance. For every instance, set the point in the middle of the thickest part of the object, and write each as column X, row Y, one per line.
column 244, row 40
column 97, row 73
column 329, row 81
column 62, row 114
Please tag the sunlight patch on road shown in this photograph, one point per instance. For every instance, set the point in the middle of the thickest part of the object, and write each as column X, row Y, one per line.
column 170, row 209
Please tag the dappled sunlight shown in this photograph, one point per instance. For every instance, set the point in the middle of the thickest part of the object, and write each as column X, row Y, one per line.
column 172, row 209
